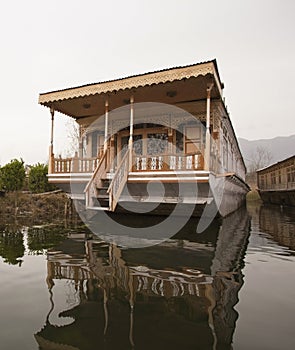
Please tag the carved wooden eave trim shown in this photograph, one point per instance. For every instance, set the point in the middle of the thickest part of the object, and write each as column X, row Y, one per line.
column 133, row 82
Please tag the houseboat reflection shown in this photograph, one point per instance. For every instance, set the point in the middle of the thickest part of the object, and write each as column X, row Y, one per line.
column 279, row 223
column 178, row 294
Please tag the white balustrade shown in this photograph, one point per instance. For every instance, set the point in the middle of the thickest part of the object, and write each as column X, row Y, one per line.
column 167, row 162
column 172, row 162
column 75, row 165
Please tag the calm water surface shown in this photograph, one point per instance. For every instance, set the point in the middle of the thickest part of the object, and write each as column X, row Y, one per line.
column 231, row 287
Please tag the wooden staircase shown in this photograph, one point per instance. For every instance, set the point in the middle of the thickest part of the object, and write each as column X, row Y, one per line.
column 96, row 196
column 102, row 192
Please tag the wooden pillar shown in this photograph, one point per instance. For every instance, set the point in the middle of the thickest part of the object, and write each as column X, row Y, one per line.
column 106, row 125
column 131, row 121
column 51, row 154
column 75, row 163
column 207, row 146
column 112, row 154
column 170, row 140
column 130, row 145
column 81, row 133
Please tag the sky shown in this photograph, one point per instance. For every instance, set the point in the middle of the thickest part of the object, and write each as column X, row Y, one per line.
column 51, row 45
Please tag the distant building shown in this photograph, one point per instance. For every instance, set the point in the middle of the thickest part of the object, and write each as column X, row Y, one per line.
column 276, row 183
column 27, row 169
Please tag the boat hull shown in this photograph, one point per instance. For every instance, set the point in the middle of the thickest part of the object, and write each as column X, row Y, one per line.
column 219, row 196
column 208, row 195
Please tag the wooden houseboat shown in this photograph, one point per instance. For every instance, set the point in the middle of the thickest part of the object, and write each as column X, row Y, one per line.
column 276, row 183
column 159, row 140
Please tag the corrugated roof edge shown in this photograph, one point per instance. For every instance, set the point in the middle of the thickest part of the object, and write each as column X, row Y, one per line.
column 279, row 162
column 138, row 75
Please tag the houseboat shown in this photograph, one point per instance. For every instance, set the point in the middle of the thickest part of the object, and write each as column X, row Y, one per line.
column 151, row 143
column 276, row 183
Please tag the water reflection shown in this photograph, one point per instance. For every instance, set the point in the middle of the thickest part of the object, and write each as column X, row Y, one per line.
column 17, row 240
column 178, row 294
column 279, row 222
column 74, row 292
column 12, row 247
column 41, row 238
column 266, row 301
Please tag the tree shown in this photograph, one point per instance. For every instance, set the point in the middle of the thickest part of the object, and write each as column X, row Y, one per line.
column 38, row 181
column 12, row 175
column 72, row 137
column 260, row 158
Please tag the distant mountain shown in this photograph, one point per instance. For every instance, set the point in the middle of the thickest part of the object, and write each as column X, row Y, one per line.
column 279, row 147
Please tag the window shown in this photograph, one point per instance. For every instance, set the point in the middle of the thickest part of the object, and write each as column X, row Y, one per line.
column 137, row 144
column 273, row 178
column 157, row 143
column 262, row 181
column 291, row 174
column 94, row 144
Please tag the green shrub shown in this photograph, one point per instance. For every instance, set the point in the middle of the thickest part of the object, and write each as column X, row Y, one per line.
column 38, row 181
column 12, row 175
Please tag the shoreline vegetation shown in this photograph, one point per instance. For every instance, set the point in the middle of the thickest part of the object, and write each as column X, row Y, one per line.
column 37, row 206
column 253, row 195
column 26, row 194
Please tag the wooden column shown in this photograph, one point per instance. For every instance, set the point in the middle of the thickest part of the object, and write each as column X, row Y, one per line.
column 207, row 147
column 75, row 163
column 51, row 154
column 130, row 145
column 106, row 125
column 131, row 121
column 112, row 154
column 170, row 140
column 81, row 133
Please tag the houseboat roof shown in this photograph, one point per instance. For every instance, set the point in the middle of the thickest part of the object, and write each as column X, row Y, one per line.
column 82, row 101
column 277, row 164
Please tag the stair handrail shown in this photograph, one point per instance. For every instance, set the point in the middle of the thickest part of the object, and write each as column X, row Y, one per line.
column 120, row 179
column 98, row 172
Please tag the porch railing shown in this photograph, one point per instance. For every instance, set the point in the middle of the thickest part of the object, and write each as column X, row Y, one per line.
column 96, row 180
column 168, row 162
column 119, row 180
column 74, row 165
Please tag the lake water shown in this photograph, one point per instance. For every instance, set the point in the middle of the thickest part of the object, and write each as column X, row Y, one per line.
column 231, row 287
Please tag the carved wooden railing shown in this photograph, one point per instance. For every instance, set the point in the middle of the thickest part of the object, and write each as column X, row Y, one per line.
column 168, row 162
column 96, row 180
column 74, row 165
column 119, row 179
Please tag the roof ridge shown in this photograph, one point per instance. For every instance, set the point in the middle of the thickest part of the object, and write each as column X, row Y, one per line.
column 137, row 75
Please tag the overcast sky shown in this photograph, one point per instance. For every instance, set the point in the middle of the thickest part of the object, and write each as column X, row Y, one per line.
column 50, row 45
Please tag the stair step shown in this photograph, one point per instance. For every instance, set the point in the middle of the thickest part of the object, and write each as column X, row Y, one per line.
column 106, row 182
column 99, row 208
column 102, row 190
column 103, row 196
